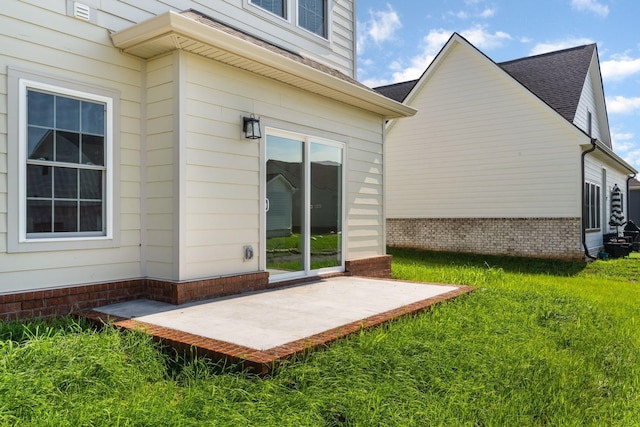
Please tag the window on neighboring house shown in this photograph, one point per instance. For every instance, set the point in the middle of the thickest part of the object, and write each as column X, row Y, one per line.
column 312, row 16
column 592, row 206
column 65, row 148
column 589, row 123
column 277, row 7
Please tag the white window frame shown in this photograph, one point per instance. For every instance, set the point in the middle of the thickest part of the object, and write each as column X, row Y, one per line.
column 589, row 221
column 307, row 138
column 18, row 240
column 326, row 20
column 290, row 19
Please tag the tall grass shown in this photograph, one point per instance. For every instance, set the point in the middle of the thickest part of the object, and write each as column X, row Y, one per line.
column 539, row 343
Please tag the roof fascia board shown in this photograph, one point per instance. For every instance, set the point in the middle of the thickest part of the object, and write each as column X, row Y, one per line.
column 172, row 23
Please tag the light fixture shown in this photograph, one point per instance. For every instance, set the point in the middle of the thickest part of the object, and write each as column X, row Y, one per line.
column 251, row 127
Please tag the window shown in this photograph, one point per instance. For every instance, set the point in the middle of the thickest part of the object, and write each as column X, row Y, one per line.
column 312, row 16
column 308, row 18
column 592, row 206
column 277, row 7
column 64, row 163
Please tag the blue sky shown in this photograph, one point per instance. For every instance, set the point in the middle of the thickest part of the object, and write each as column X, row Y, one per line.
column 397, row 39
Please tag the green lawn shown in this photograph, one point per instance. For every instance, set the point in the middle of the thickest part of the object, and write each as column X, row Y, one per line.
column 539, row 343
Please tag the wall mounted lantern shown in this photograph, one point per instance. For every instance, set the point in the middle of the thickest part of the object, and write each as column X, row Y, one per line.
column 251, row 127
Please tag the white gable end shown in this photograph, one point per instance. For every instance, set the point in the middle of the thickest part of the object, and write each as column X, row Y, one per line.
column 481, row 145
column 592, row 106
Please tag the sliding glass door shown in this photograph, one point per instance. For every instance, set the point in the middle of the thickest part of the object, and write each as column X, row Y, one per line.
column 304, row 205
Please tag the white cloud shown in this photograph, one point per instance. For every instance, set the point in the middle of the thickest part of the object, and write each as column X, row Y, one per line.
column 435, row 40
column 590, row 6
column 482, row 39
column 559, row 45
column 622, row 141
column 488, row 13
column 619, row 68
column 383, row 25
column 623, row 105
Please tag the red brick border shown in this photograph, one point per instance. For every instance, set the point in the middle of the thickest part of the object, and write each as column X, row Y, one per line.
column 264, row 361
column 379, row 266
column 63, row 301
column 67, row 300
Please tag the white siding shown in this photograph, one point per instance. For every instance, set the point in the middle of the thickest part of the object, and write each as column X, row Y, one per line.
column 591, row 101
column 481, row 147
column 70, row 50
column 594, row 165
column 223, row 205
column 337, row 52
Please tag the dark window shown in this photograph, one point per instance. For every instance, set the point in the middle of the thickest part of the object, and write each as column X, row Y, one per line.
column 65, row 165
column 312, row 15
column 277, row 7
column 592, row 218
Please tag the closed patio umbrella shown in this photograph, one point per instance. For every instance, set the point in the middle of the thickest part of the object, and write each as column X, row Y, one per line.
column 617, row 217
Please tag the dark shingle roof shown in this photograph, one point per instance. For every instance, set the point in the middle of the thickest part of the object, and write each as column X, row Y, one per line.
column 397, row 91
column 556, row 77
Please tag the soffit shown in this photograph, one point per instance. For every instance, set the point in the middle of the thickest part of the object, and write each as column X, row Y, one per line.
column 195, row 33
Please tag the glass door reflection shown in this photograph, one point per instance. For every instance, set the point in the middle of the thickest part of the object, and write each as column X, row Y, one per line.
column 285, row 252
column 325, row 237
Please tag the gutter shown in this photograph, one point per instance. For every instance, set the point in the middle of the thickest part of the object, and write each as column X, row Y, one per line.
column 584, row 205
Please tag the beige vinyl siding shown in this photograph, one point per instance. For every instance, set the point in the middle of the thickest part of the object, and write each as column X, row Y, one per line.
column 160, row 165
column 3, row 157
column 72, row 51
column 481, row 146
column 337, row 52
column 223, row 169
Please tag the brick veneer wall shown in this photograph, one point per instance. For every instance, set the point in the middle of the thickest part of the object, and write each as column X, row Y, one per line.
column 379, row 267
column 62, row 301
column 557, row 238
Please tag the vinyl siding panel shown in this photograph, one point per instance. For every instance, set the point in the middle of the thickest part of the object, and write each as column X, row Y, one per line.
column 337, row 52
column 480, row 147
column 594, row 165
column 223, row 170
column 73, row 52
column 589, row 102
column 160, row 165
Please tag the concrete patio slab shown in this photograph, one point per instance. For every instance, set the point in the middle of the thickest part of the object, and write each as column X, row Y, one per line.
column 263, row 327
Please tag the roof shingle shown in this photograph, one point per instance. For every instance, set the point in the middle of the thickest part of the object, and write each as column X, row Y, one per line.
column 556, row 77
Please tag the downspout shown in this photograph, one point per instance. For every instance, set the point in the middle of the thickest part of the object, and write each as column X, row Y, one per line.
column 584, row 205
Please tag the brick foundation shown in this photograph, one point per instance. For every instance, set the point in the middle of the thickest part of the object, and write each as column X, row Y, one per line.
column 63, row 301
column 557, row 238
column 379, row 267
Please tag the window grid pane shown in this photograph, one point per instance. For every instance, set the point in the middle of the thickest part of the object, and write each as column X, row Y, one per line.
column 593, row 208
column 312, row 16
column 274, row 6
column 65, row 168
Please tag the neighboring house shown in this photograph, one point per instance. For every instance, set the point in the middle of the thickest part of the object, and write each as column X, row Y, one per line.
column 512, row 158
column 125, row 171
